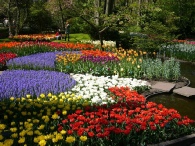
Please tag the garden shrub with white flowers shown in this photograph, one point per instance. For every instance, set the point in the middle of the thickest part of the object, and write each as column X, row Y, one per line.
column 85, row 97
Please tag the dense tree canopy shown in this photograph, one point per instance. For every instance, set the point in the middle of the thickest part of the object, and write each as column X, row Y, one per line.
column 167, row 19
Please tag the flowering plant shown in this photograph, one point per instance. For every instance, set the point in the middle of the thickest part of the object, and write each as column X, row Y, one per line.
column 124, row 63
column 38, row 61
column 4, row 57
column 33, row 47
column 67, row 119
column 18, row 83
column 8, row 45
column 40, row 37
column 53, row 108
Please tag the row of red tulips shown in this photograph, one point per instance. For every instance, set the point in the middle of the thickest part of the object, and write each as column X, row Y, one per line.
column 5, row 57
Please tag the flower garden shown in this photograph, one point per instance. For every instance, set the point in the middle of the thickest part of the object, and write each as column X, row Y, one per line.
column 35, row 37
column 76, row 94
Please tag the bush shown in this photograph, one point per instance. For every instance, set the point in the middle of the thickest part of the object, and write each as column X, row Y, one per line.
column 4, row 33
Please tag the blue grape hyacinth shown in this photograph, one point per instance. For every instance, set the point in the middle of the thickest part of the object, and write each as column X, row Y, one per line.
column 18, row 83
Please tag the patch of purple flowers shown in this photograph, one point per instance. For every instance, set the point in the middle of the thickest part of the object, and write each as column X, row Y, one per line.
column 36, row 61
column 99, row 59
column 18, row 83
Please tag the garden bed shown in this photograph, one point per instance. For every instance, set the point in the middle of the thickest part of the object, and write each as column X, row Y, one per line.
column 98, row 109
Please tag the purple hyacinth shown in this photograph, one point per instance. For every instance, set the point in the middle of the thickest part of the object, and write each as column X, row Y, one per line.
column 18, row 83
column 36, row 61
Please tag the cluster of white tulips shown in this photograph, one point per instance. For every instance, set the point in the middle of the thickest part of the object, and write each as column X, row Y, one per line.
column 93, row 88
column 105, row 43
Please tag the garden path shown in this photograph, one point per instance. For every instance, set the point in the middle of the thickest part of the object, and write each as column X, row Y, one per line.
column 180, row 88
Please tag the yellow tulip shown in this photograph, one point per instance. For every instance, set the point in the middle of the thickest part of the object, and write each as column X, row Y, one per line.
column 8, row 142
column 70, row 139
column 64, row 112
column 14, row 135
column 12, row 98
column 28, row 96
column 21, row 140
column 1, row 137
column 41, row 127
column 83, row 138
column 42, row 142
column 63, row 132
column 13, row 129
column 55, row 116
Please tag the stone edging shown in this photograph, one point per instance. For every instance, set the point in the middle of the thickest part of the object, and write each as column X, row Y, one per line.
column 152, row 93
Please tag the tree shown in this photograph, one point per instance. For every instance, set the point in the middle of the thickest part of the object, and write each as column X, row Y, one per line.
column 185, row 11
column 16, row 11
column 39, row 18
column 98, row 14
column 21, row 14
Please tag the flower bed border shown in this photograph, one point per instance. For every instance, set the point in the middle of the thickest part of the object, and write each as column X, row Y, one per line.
column 153, row 92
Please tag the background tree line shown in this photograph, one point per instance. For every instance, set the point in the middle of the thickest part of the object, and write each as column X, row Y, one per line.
column 160, row 20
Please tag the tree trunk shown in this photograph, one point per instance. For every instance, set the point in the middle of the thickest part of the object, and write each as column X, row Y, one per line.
column 17, row 21
column 96, row 12
column 100, row 36
column 109, row 6
column 139, row 11
column 10, row 20
column 101, row 40
column 61, row 13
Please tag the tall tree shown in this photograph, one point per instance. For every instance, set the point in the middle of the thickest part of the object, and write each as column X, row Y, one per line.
column 16, row 11
column 39, row 17
column 21, row 14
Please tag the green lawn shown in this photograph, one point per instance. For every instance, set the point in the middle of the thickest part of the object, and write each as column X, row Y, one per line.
column 5, row 40
column 77, row 37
